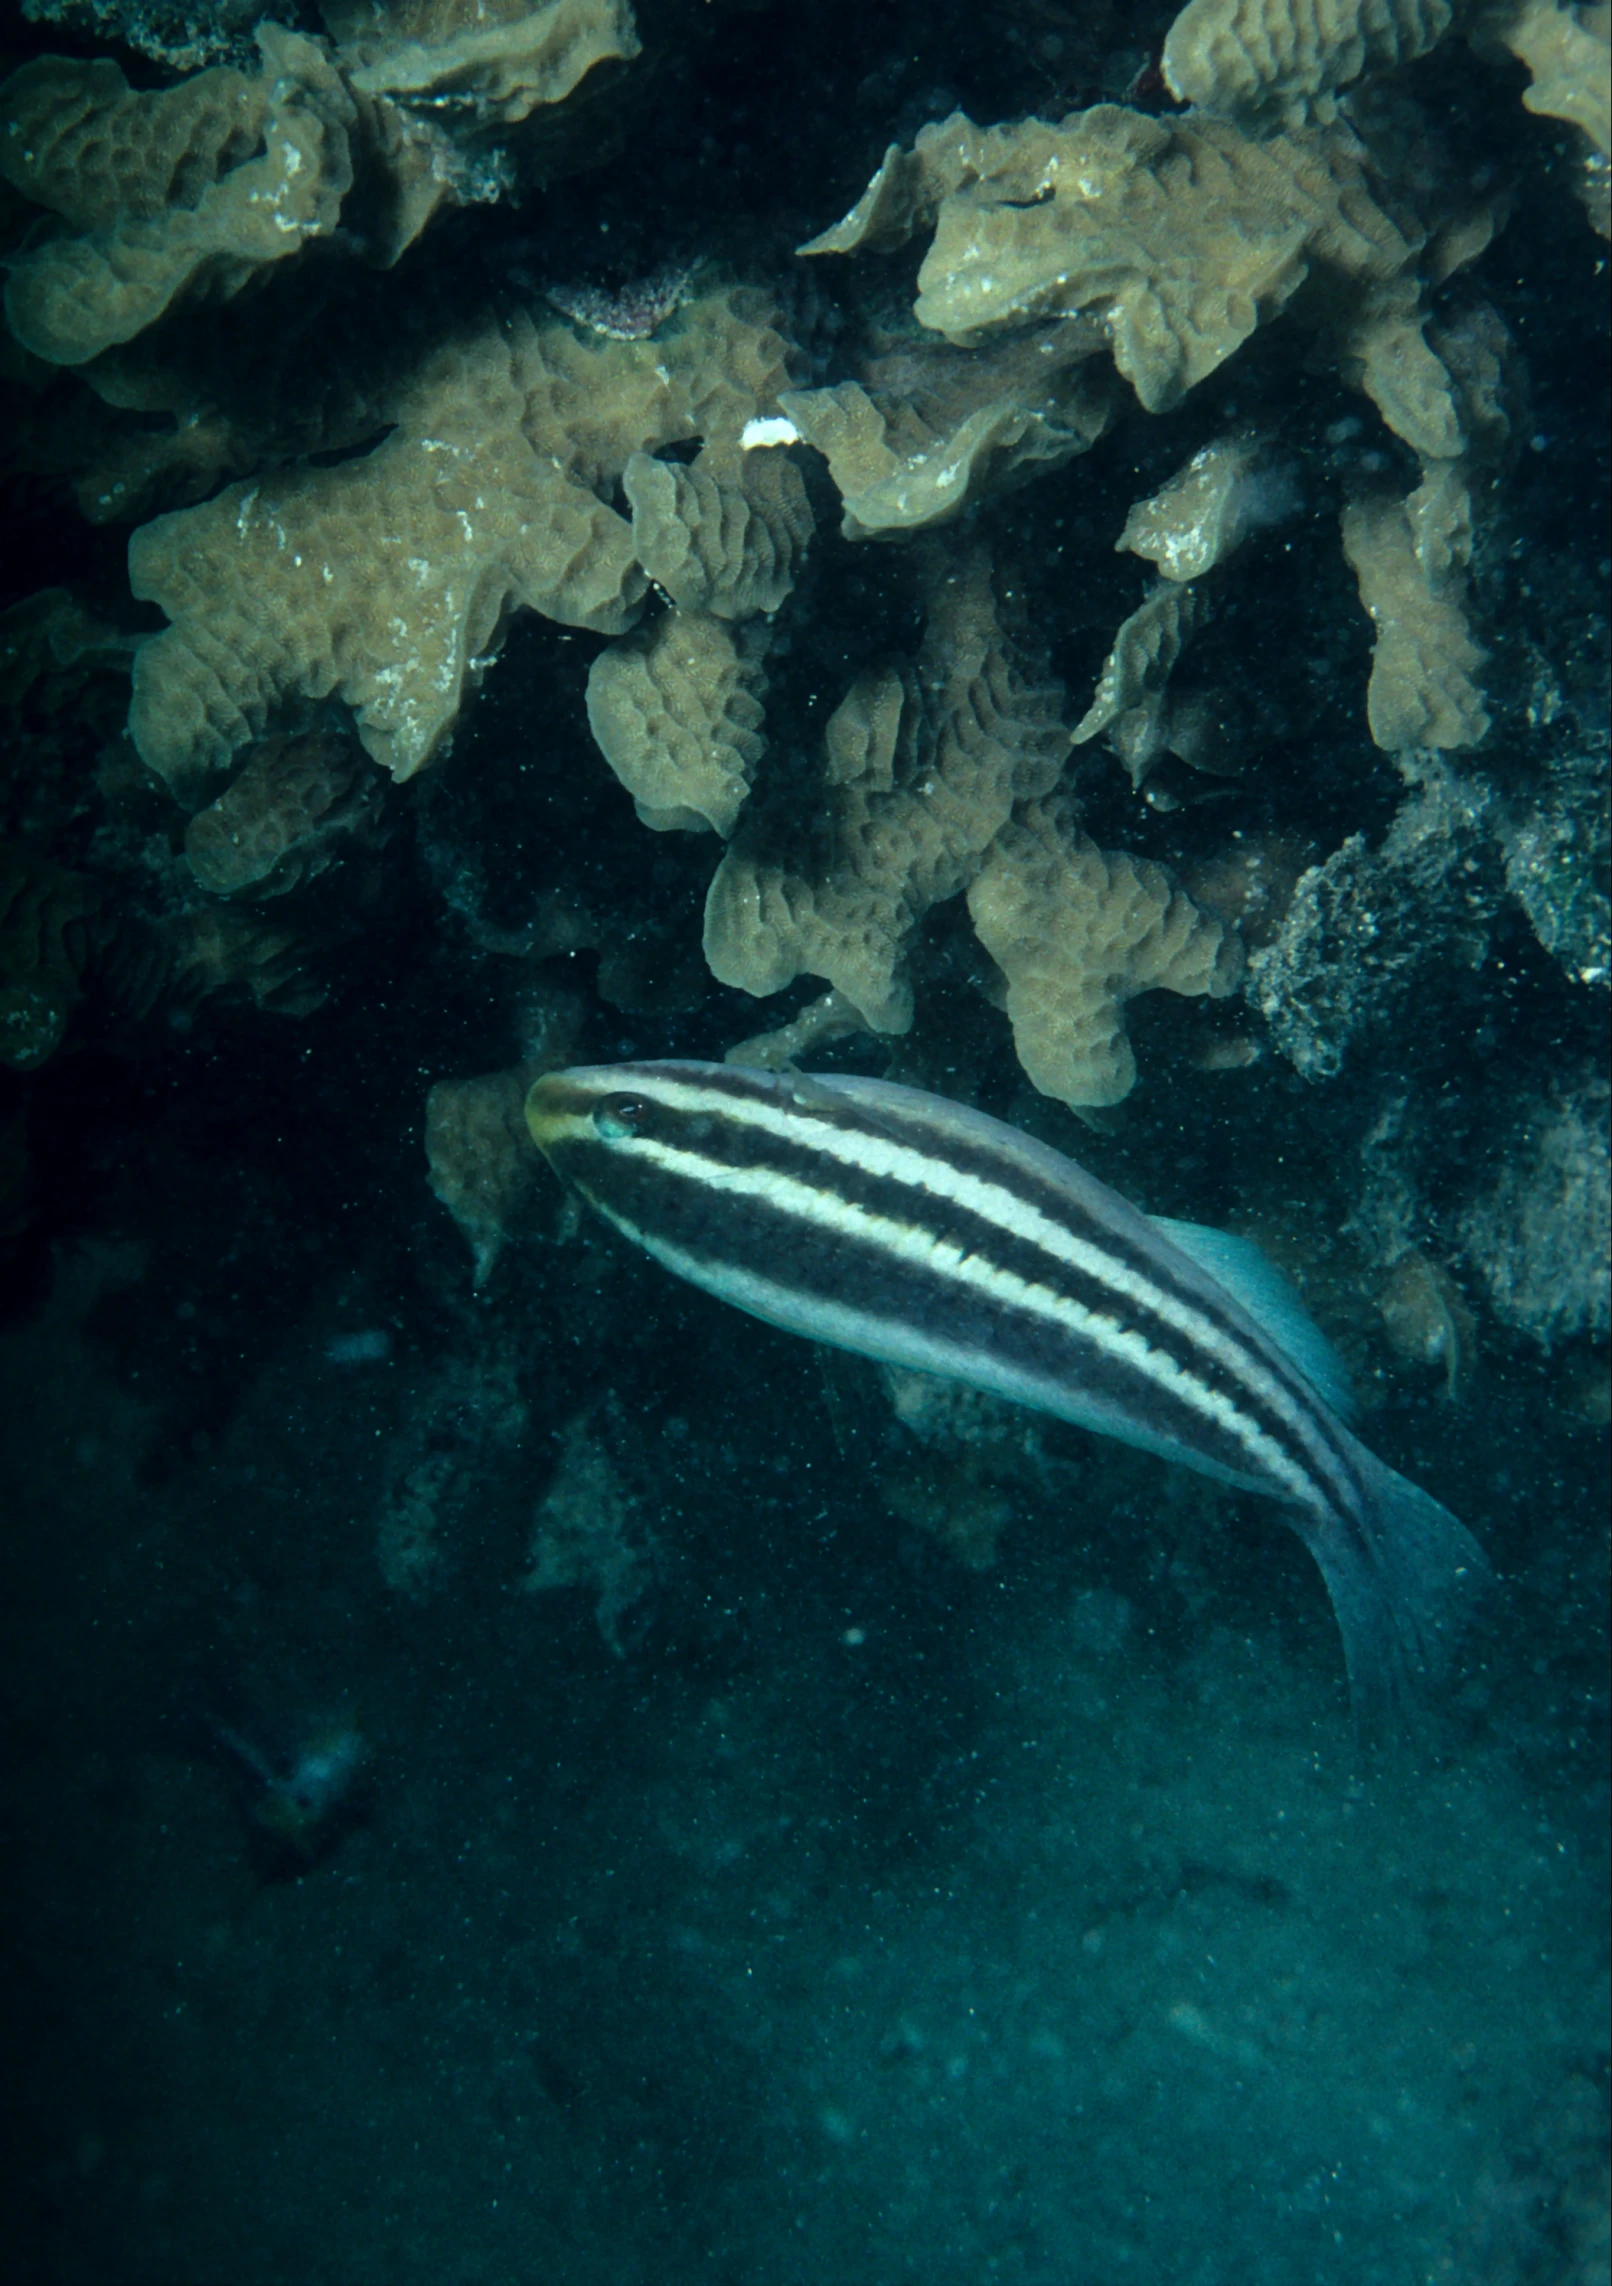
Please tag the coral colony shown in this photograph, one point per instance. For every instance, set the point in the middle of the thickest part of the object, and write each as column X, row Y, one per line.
column 1052, row 660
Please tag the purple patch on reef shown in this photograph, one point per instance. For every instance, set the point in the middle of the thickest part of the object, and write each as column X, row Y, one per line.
column 631, row 313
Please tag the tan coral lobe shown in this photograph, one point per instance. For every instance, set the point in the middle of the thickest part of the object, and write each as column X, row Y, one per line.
column 1290, row 56
column 285, row 818
column 922, row 765
column 385, row 581
column 1077, row 933
column 937, row 428
column 723, row 534
column 190, row 189
column 1423, row 689
column 676, row 710
column 501, row 59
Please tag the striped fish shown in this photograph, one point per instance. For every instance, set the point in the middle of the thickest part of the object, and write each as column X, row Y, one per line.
column 911, row 1230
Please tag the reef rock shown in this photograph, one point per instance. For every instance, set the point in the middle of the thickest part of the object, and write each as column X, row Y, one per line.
column 1537, row 1237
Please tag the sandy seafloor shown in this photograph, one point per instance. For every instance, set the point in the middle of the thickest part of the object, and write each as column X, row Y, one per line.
column 867, row 1918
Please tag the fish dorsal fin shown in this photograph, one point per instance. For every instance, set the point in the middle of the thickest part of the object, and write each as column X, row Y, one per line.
column 1254, row 1280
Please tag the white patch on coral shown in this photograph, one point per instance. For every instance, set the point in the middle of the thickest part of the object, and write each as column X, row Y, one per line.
column 776, row 431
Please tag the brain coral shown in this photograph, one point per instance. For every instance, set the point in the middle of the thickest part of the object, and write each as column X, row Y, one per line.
column 187, row 190
column 384, row 580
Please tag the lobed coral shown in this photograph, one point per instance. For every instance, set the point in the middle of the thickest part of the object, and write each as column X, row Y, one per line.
column 930, row 429
column 286, row 816
column 191, row 191
column 365, row 536
column 1423, row 689
column 676, row 711
column 1131, row 701
column 1255, row 56
column 497, row 62
column 478, row 1153
column 385, row 581
column 923, row 763
column 1208, row 508
column 188, row 190
column 723, row 534
column 1568, row 51
column 1076, row 934
column 1185, row 235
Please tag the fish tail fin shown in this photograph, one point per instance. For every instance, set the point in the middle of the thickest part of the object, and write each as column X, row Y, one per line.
column 1406, row 1580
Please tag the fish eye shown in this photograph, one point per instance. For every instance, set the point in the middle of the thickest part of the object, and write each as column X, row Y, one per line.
column 620, row 1117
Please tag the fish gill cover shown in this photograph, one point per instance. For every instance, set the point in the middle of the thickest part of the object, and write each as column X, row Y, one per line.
column 1056, row 554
